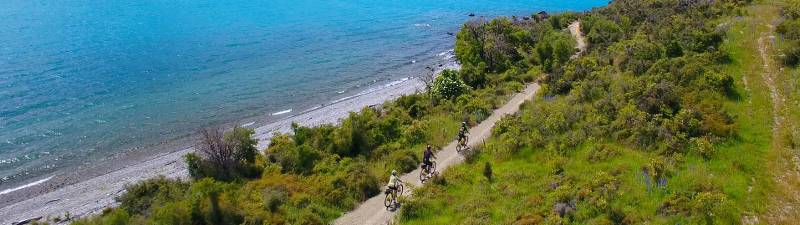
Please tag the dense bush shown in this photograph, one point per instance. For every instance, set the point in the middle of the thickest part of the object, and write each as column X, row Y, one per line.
column 139, row 197
column 600, row 31
column 449, row 85
column 789, row 29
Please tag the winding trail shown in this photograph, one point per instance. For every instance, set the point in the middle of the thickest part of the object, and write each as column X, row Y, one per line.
column 373, row 212
column 785, row 203
column 575, row 30
column 769, row 79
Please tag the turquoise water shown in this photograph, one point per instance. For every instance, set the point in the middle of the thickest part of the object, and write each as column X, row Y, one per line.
column 81, row 80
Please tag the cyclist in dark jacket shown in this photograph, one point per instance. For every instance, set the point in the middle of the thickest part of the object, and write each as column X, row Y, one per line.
column 426, row 157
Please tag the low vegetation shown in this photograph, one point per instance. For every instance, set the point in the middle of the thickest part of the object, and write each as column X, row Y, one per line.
column 789, row 29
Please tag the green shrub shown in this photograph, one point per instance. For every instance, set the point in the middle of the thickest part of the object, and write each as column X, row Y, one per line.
column 139, row 197
column 707, row 204
column 306, row 217
column 790, row 29
column 299, row 160
column 474, row 107
column 404, row 160
column 718, row 81
column 601, row 32
column 178, row 213
column 115, row 217
column 564, row 193
column 275, row 197
column 472, row 154
column 791, row 9
column 438, row 180
column 599, row 153
column 243, row 142
column 416, row 133
column 413, row 208
column 790, row 53
column 449, row 85
column 554, row 50
column 704, row 148
column 474, row 76
column 416, row 105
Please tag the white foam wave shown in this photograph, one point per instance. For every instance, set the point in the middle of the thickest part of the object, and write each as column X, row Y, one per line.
column 38, row 182
column 248, row 124
column 422, row 25
column 282, row 112
column 449, row 54
column 371, row 90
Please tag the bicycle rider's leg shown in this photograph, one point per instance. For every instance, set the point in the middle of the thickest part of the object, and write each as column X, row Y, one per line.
column 394, row 194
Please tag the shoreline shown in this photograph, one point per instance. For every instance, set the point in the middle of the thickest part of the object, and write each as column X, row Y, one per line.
column 93, row 193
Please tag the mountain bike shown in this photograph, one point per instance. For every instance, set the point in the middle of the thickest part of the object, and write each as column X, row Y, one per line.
column 426, row 173
column 391, row 197
column 462, row 144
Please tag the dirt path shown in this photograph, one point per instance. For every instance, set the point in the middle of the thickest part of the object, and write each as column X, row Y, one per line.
column 373, row 212
column 785, row 206
column 769, row 79
column 575, row 30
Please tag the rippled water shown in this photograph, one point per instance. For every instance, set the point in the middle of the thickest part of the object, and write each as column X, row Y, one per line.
column 81, row 79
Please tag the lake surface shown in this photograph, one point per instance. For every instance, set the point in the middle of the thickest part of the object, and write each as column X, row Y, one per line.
column 81, row 80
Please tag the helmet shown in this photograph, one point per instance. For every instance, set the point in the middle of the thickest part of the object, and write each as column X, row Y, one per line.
column 394, row 172
column 463, row 123
column 428, row 147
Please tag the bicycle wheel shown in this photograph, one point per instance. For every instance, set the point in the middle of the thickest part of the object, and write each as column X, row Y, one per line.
column 388, row 200
column 399, row 190
column 423, row 175
column 432, row 167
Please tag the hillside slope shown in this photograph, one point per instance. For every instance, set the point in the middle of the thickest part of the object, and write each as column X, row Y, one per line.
column 677, row 114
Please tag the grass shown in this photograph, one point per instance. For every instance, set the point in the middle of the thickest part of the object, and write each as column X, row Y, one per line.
column 522, row 184
column 749, row 153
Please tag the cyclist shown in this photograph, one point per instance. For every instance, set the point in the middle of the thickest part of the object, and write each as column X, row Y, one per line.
column 462, row 133
column 394, row 180
column 426, row 158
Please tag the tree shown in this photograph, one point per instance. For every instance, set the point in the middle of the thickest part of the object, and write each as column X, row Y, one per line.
column 215, row 150
column 243, row 144
column 224, row 156
column 469, row 42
